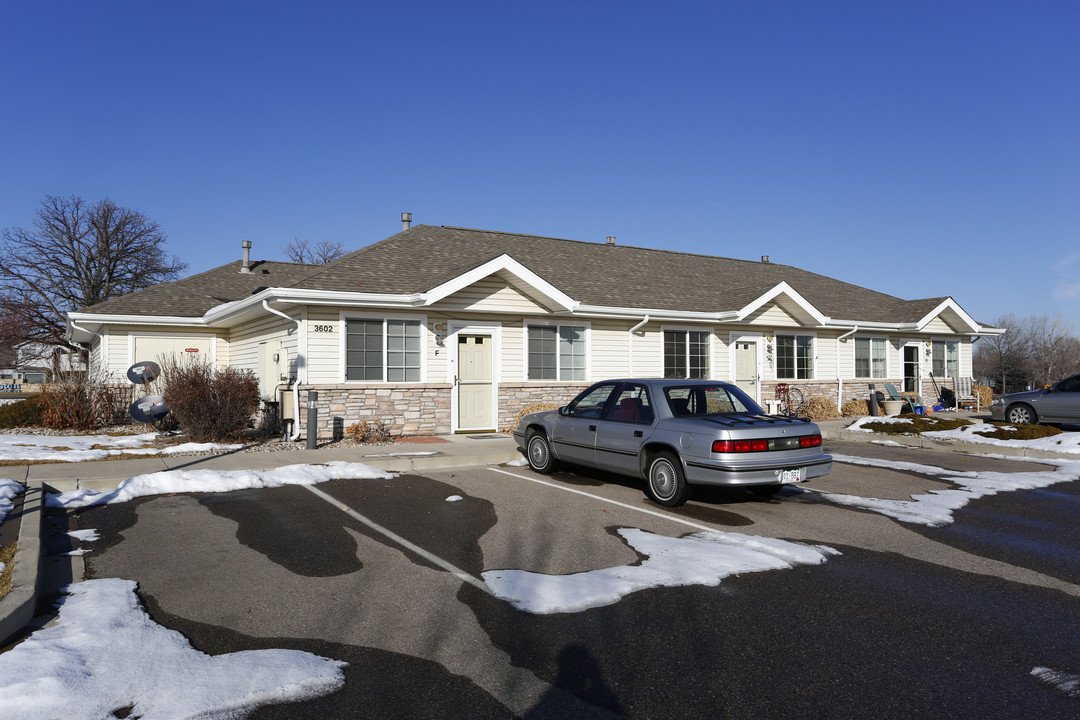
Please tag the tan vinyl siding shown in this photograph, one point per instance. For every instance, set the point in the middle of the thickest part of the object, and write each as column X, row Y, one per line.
column 649, row 352
column 610, row 349
column 491, row 294
column 937, row 325
column 773, row 314
column 323, row 329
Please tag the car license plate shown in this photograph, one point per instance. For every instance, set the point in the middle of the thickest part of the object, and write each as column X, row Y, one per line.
column 791, row 476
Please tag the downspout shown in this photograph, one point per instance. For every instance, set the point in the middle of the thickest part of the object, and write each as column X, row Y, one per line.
column 644, row 321
column 299, row 364
column 840, row 380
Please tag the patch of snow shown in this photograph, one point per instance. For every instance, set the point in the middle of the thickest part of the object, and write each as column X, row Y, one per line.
column 1067, row 683
column 9, row 489
column 189, row 481
column 936, row 507
column 73, row 669
column 77, row 448
column 1068, row 442
column 454, row 498
column 519, row 462
column 703, row 558
column 85, row 535
column 857, row 426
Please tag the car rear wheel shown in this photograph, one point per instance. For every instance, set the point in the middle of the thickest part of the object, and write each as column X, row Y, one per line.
column 538, row 452
column 1020, row 414
column 667, row 485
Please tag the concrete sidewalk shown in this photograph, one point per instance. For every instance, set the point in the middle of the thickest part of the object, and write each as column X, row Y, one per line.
column 444, row 452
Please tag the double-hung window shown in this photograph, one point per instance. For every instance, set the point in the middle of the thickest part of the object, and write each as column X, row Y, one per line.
column 383, row 350
column 946, row 358
column 870, row 358
column 795, row 357
column 556, row 352
column 686, row 354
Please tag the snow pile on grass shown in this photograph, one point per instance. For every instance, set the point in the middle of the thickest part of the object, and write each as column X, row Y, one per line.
column 703, row 558
column 77, row 448
column 105, row 654
column 1068, row 442
column 189, row 481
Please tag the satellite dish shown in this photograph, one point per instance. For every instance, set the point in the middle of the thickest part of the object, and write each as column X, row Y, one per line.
column 143, row 372
column 149, row 409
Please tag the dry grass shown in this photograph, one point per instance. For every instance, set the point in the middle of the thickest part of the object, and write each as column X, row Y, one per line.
column 1005, row 431
column 534, row 407
column 7, row 557
column 919, row 424
column 821, row 408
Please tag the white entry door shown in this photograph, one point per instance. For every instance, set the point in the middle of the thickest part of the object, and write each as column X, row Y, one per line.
column 746, row 368
column 474, row 382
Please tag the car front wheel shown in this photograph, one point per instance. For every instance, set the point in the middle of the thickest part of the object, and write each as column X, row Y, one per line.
column 538, row 452
column 667, row 485
column 1020, row 414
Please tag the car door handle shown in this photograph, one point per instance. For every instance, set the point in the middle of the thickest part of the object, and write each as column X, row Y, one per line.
column 638, row 433
column 592, row 428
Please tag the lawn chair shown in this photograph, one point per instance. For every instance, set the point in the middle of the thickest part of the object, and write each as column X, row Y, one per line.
column 966, row 393
column 910, row 402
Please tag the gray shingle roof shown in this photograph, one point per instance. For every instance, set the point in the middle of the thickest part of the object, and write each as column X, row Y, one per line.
column 424, row 257
column 193, row 296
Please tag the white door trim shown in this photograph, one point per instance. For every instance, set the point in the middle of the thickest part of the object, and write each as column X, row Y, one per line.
column 759, row 344
column 492, row 330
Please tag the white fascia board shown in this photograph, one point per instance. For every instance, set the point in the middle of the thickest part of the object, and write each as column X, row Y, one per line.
column 836, row 324
column 783, row 288
column 653, row 313
column 949, row 304
column 222, row 313
column 503, row 263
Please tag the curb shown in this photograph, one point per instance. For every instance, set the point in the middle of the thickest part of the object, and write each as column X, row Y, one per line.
column 17, row 607
column 951, row 446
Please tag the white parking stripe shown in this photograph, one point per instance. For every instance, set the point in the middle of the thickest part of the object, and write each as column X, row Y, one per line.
column 434, row 559
column 672, row 518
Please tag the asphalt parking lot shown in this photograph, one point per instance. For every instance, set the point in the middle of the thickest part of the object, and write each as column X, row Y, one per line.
column 388, row 575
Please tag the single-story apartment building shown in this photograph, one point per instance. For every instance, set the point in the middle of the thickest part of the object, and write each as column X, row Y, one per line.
column 449, row 329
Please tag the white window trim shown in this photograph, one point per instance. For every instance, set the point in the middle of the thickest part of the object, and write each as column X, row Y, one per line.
column 425, row 334
column 855, row 360
column 959, row 354
column 690, row 328
column 776, row 334
column 555, row 324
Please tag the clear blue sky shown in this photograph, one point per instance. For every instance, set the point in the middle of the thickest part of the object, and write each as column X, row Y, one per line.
column 918, row 148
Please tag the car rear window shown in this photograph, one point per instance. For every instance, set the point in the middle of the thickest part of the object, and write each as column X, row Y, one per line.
column 709, row 400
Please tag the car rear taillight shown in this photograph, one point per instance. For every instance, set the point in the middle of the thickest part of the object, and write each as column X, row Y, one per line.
column 765, row 444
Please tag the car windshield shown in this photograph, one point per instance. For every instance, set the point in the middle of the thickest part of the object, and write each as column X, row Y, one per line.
column 709, row 400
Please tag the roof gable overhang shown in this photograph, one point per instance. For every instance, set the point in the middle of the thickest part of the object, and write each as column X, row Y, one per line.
column 950, row 312
column 516, row 275
column 789, row 300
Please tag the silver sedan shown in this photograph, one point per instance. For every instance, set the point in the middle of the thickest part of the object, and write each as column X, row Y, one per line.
column 675, row 434
column 1059, row 403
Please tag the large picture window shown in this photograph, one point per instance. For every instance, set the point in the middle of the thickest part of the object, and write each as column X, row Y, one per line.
column 946, row 358
column 870, row 358
column 383, row 350
column 795, row 357
column 556, row 352
column 686, row 354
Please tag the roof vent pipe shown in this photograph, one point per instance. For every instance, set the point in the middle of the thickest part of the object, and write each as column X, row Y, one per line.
column 765, row 258
column 610, row 239
column 406, row 221
column 245, row 267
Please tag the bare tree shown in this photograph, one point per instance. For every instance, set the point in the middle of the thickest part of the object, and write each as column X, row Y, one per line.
column 1053, row 350
column 1005, row 357
column 302, row 251
column 78, row 255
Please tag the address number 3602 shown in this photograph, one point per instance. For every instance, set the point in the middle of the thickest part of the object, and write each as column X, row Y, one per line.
column 323, row 328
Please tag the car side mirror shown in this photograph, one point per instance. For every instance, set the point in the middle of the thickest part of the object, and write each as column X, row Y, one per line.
column 564, row 410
